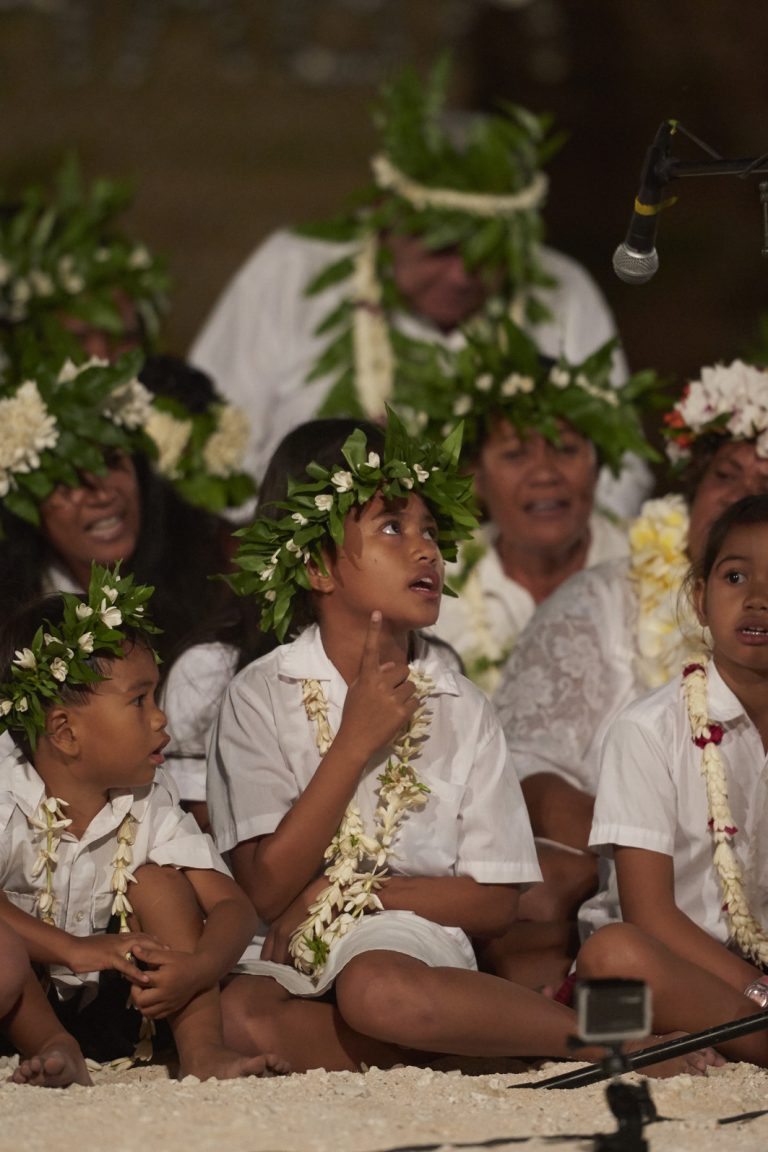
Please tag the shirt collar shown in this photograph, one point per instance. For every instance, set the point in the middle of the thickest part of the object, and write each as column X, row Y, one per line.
column 28, row 790
column 306, row 659
column 723, row 704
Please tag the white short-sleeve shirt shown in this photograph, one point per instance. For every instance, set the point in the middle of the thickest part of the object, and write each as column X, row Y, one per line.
column 164, row 834
column 651, row 795
column 190, row 697
column 263, row 754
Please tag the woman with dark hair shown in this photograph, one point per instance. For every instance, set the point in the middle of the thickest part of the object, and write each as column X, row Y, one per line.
column 536, row 433
column 93, row 467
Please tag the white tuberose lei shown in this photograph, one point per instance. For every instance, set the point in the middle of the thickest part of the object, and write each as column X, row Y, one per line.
column 746, row 932
column 351, row 890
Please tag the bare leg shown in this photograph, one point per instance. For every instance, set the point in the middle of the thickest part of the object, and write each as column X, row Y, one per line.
column 50, row 1057
column 538, row 950
column 534, row 954
column 684, row 996
column 167, row 907
column 400, row 1000
column 259, row 1014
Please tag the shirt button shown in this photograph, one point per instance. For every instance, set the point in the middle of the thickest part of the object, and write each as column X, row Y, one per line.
column 79, row 916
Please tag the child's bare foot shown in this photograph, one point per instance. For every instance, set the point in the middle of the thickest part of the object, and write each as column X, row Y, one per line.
column 226, row 1064
column 58, row 1064
column 691, row 1064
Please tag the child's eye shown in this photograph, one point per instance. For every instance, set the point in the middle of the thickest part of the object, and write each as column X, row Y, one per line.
column 568, row 448
column 735, row 577
column 431, row 532
column 138, row 701
column 391, row 527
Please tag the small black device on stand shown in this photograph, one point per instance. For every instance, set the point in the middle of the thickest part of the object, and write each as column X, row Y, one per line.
column 610, row 1012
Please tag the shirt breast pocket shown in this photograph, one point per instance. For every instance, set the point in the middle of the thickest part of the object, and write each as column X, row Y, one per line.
column 428, row 842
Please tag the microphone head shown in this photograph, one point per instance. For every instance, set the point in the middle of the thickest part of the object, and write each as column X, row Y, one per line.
column 635, row 267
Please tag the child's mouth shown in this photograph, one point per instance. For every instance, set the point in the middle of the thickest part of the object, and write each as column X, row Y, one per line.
column 427, row 586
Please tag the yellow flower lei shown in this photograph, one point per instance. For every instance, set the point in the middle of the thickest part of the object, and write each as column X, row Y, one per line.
column 666, row 631
column 746, row 932
column 351, row 889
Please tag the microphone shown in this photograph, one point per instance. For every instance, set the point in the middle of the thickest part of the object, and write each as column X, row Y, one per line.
column 636, row 260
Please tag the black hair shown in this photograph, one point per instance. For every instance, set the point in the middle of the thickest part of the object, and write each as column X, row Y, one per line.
column 748, row 511
column 18, row 631
column 703, row 451
column 315, row 441
column 173, row 377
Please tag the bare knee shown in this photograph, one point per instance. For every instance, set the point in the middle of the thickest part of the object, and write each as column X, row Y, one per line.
column 617, row 950
column 388, row 996
column 166, row 904
column 15, row 968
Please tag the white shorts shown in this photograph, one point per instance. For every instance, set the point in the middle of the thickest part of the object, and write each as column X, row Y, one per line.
column 389, row 931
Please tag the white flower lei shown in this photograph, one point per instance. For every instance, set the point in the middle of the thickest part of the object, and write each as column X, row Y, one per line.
column 746, row 932
column 47, row 824
column 372, row 348
column 391, row 179
column 351, row 890
column 665, row 630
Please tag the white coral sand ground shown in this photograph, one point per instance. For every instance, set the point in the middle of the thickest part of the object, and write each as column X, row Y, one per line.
column 142, row 1110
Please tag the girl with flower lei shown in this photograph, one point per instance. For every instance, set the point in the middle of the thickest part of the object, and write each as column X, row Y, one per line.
column 682, row 803
column 105, row 878
column 361, row 787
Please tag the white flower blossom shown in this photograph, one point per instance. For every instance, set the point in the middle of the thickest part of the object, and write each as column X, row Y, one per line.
column 22, row 704
column 559, row 377
column 324, row 502
column 59, row 669
column 171, row 437
column 374, row 460
column 484, row 382
column 515, row 383
column 129, row 405
column 342, row 481
column 421, row 473
column 25, row 658
column 26, row 429
column 111, row 617
column 224, row 449
column 462, row 405
column 85, row 642
column 299, row 519
column 5, row 707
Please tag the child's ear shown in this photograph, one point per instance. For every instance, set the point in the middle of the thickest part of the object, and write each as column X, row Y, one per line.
column 60, row 731
column 320, row 581
column 699, row 597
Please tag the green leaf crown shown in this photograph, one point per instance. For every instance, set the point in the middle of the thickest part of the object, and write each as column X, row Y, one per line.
column 63, row 254
column 501, row 156
column 62, row 655
column 500, row 372
column 274, row 552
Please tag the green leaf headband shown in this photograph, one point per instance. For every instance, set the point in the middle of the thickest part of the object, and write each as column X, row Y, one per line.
column 274, row 553
column 62, row 655
column 62, row 254
column 201, row 452
column 61, row 422
column 501, row 373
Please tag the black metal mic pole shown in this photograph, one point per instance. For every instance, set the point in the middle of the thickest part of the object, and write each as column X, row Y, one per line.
column 664, row 1051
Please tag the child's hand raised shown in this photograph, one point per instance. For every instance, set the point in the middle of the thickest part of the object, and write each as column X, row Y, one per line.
column 381, row 700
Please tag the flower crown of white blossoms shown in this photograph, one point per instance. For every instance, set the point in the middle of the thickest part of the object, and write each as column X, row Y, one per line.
column 728, row 399
column 62, row 423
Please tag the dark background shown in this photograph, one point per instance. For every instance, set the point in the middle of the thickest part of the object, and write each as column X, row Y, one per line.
column 233, row 117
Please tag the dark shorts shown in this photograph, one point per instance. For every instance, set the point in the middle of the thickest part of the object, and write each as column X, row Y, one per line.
column 108, row 1026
